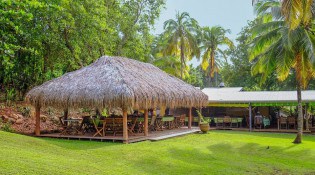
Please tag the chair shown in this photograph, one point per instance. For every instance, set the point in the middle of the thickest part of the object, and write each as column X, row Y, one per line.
column 266, row 122
column 152, row 126
column 63, row 125
column 132, row 125
column 98, row 127
column 108, row 126
column 118, row 126
column 168, row 122
column 158, row 124
column 219, row 122
column 140, row 125
column 234, row 122
column 227, row 121
column 176, row 121
column 87, row 125
column 283, row 122
column 291, row 122
column 182, row 120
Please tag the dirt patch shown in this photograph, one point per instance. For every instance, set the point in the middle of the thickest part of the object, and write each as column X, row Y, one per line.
column 21, row 118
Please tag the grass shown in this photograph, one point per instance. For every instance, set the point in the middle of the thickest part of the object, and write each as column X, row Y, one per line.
column 218, row 152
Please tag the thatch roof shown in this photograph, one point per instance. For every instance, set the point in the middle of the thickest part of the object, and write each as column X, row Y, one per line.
column 112, row 82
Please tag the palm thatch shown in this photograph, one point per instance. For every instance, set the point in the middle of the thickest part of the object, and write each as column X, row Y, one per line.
column 116, row 82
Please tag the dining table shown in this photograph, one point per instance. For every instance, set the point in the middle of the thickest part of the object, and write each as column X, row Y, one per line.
column 72, row 126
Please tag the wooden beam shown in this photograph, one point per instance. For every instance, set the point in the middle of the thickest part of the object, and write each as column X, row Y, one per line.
column 37, row 120
column 189, row 118
column 146, row 123
column 125, row 127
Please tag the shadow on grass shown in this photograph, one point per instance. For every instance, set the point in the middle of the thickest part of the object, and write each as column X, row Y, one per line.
column 78, row 144
column 306, row 137
column 223, row 158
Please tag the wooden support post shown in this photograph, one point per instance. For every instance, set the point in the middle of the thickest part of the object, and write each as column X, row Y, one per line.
column 189, row 118
column 146, row 123
column 125, row 127
column 250, row 117
column 65, row 116
column 37, row 120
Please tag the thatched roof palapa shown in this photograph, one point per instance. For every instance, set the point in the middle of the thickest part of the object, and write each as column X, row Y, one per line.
column 116, row 82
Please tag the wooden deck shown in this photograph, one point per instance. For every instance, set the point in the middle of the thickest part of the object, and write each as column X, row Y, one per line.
column 153, row 136
column 158, row 135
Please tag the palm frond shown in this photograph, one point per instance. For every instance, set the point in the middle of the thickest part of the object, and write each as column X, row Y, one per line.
column 292, row 10
column 205, row 59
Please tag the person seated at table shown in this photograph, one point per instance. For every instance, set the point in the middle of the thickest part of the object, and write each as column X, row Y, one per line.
column 258, row 115
column 258, row 119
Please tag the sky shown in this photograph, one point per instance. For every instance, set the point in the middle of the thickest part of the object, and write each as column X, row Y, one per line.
column 230, row 14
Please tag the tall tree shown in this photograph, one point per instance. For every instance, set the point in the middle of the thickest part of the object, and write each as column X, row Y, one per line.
column 181, row 38
column 212, row 38
column 41, row 40
column 135, row 20
column 279, row 47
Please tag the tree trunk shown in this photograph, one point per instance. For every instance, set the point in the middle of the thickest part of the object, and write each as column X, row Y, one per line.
column 182, row 59
column 189, row 118
column 216, row 79
column 212, row 62
column 298, row 138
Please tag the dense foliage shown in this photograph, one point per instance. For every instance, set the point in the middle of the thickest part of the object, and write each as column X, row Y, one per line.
column 40, row 40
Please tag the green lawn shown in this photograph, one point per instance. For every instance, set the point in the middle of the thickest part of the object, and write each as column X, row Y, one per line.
column 219, row 152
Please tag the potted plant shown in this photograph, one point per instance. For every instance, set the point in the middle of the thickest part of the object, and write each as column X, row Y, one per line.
column 203, row 124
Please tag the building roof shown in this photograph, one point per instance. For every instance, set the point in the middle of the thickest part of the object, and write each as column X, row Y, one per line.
column 232, row 96
column 116, row 82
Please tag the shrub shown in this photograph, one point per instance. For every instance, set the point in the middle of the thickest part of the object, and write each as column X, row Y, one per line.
column 26, row 111
column 6, row 127
column 10, row 96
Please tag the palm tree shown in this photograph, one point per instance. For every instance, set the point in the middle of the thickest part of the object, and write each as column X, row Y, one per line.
column 295, row 12
column 181, row 41
column 212, row 38
column 276, row 46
